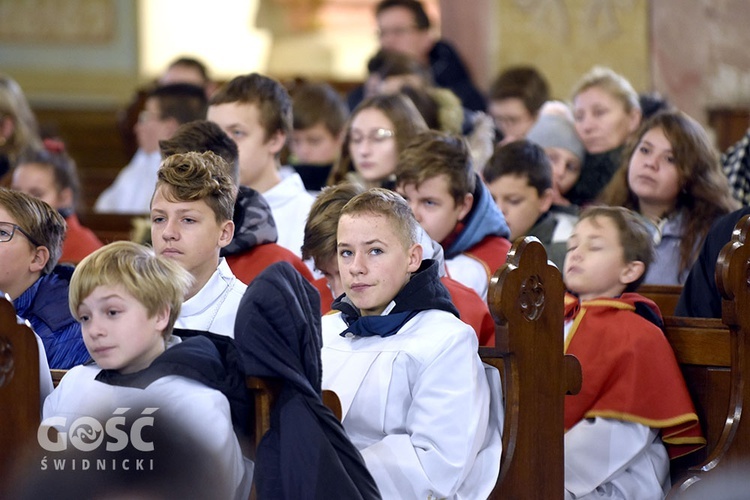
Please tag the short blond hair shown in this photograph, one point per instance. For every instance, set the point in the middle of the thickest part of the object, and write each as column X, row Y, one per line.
column 389, row 204
column 155, row 282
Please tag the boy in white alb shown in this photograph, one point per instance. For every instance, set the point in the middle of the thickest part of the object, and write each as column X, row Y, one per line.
column 256, row 111
column 415, row 397
column 167, row 108
column 191, row 221
column 127, row 300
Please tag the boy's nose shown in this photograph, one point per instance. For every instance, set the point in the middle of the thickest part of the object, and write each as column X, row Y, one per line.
column 170, row 231
column 357, row 266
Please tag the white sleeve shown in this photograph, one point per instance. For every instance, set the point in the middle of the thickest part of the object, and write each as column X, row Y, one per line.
column 444, row 429
column 606, row 458
column 470, row 272
column 209, row 409
column 45, row 377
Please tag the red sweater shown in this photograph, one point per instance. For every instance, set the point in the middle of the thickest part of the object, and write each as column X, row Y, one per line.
column 79, row 241
column 247, row 265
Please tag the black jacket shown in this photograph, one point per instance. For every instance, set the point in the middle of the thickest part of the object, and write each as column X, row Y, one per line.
column 306, row 453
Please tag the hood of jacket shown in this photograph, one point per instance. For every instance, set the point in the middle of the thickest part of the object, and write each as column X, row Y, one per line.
column 278, row 328
column 253, row 222
column 484, row 219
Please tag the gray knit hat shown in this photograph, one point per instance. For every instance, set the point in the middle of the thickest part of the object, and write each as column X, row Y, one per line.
column 555, row 131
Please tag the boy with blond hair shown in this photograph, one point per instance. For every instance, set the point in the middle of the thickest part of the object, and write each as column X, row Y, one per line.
column 387, row 353
column 435, row 175
column 256, row 111
column 320, row 246
column 633, row 397
column 127, row 300
column 191, row 221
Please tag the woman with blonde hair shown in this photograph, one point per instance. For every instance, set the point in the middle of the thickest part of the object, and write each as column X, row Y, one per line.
column 670, row 174
column 19, row 132
column 606, row 111
column 377, row 131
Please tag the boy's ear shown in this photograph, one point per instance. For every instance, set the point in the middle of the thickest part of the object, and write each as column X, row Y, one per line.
column 276, row 142
column 545, row 200
column 172, row 125
column 40, row 259
column 66, row 197
column 415, row 257
column 465, row 206
column 227, row 233
column 632, row 271
column 162, row 318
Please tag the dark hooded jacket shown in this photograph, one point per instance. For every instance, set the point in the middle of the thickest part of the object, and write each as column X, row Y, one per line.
column 450, row 72
column 253, row 223
column 306, row 453
column 484, row 219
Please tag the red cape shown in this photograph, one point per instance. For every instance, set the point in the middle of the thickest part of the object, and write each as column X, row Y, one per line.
column 629, row 371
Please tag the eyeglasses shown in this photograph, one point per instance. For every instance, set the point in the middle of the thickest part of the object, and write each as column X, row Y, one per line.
column 374, row 136
column 8, row 229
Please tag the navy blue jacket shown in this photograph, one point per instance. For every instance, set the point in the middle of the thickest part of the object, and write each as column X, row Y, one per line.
column 45, row 305
column 306, row 453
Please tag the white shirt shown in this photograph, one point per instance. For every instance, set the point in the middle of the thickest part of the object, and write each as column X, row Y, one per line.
column 607, row 458
column 45, row 376
column 133, row 188
column 418, row 406
column 290, row 204
column 203, row 412
column 469, row 272
column 214, row 307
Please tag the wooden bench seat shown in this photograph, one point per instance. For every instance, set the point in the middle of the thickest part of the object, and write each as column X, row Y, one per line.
column 109, row 227
column 665, row 296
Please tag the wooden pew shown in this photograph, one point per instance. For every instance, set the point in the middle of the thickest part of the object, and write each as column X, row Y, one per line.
column 108, row 227
column 526, row 301
column 713, row 355
column 665, row 296
column 20, row 412
column 716, row 362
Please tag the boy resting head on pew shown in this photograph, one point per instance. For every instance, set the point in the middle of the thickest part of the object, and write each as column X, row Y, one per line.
column 633, row 400
column 416, row 401
column 127, row 300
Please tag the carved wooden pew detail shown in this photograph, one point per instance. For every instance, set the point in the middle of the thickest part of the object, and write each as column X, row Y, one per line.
column 20, row 412
column 526, row 300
